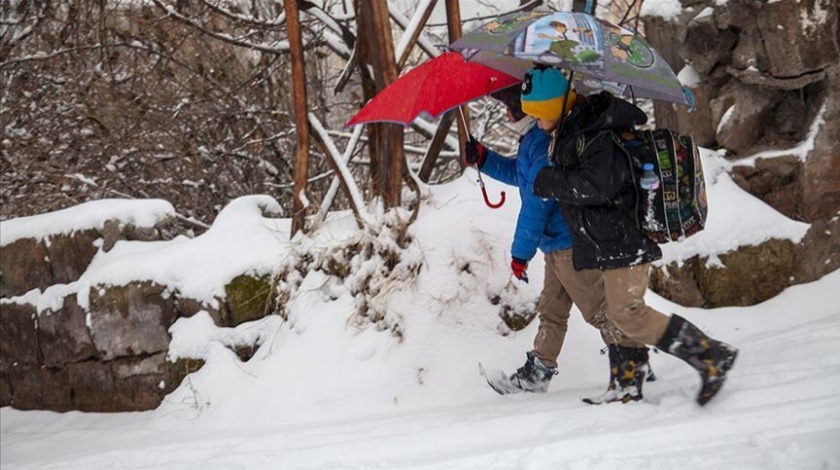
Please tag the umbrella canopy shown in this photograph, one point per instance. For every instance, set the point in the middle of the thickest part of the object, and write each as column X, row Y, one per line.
column 607, row 56
column 433, row 88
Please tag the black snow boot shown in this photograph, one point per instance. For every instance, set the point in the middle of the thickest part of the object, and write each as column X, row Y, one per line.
column 628, row 370
column 534, row 376
column 710, row 357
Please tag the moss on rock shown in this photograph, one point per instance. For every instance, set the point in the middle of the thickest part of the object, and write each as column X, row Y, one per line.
column 248, row 298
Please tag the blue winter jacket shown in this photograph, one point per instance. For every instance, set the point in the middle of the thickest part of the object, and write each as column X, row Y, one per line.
column 540, row 223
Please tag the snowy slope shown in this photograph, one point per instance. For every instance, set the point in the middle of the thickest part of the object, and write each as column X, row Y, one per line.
column 322, row 394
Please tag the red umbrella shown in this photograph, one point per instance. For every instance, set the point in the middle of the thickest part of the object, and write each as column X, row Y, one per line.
column 439, row 85
column 435, row 87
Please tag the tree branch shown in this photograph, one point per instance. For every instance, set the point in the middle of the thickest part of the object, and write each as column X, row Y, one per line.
column 281, row 48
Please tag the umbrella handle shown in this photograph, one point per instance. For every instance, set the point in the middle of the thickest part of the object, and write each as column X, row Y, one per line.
column 491, row 205
column 487, row 199
column 484, row 192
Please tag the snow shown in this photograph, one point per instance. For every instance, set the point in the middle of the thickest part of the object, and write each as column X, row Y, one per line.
column 197, row 337
column 814, row 19
column 336, row 183
column 241, row 240
column 422, row 40
column 339, row 160
column 735, row 218
column 689, row 77
column 412, row 27
column 327, row 391
column 724, row 120
column 665, row 9
column 90, row 215
column 800, row 150
column 705, row 13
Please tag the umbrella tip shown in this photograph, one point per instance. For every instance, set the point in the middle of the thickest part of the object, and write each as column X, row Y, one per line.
column 692, row 101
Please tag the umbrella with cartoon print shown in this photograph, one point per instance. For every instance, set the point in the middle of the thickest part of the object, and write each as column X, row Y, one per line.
column 603, row 55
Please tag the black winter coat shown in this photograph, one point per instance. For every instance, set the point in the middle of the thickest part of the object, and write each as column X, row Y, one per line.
column 593, row 179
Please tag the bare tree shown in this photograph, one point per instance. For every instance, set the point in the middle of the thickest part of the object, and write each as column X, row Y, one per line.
column 116, row 99
column 190, row 101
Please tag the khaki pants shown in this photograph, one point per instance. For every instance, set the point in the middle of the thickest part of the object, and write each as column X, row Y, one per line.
column 625, row 291
column 589, row 291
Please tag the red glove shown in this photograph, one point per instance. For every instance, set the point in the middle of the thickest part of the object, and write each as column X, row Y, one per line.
column 519, row 267
column 474, row 152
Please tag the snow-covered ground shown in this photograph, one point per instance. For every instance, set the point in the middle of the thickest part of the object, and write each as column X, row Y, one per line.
column 324, row 391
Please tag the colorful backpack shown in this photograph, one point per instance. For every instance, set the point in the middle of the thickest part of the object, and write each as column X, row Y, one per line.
column 678, row 208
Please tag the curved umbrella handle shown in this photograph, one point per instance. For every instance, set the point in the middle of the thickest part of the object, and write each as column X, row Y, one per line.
column 484, row 191
column 487, row 199
column 491, row 205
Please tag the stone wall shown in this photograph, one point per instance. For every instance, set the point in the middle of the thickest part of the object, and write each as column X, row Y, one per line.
column 769, row 81
column 110, row 355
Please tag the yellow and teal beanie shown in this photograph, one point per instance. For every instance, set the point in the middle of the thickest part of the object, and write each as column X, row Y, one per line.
column 543, row 92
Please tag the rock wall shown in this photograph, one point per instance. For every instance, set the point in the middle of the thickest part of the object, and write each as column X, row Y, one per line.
column 31, row 263
column 769, row 93
column 110, row 355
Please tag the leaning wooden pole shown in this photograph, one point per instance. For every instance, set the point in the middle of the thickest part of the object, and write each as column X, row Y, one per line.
column 453, row 24
column 438, row 142
column 416, row 34
column 301, row 167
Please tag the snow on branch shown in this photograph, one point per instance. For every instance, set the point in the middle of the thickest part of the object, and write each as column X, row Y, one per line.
column 422, row 40
column 355, row 195
column 53, row 54
column 279, row 20
column 420, row 13
column 336, row 182
column 328, row 20
column 337, row 44
column 277, row 47
column 338, row 37
column 349, row 67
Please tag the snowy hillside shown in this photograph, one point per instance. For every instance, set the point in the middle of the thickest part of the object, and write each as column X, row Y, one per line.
column 327, row 391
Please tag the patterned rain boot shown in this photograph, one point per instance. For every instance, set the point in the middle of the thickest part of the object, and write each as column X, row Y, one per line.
column 711, row 358
column 628, row 370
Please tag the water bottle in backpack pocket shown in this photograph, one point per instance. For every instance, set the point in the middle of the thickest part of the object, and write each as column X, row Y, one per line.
column 648, row 179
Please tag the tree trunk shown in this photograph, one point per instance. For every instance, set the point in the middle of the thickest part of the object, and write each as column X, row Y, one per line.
column 301, row 122
column 385, row 140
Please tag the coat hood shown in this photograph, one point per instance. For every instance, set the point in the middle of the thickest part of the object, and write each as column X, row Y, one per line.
column 603, row 111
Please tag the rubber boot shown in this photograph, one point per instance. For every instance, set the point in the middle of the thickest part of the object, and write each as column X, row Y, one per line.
column 711, row 358
column 628, row 370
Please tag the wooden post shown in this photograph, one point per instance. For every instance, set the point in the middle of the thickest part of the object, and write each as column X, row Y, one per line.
column 453, row 24
column 301, row 167
column 385, row 139
column 435, row 147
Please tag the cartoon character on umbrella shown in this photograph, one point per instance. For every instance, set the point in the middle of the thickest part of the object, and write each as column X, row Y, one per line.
column 628, row 47
column 563, row 46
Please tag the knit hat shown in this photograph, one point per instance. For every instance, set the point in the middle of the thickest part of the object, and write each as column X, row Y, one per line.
column 543, row 93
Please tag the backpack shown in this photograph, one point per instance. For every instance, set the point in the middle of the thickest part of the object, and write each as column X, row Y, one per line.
column 678, row 208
